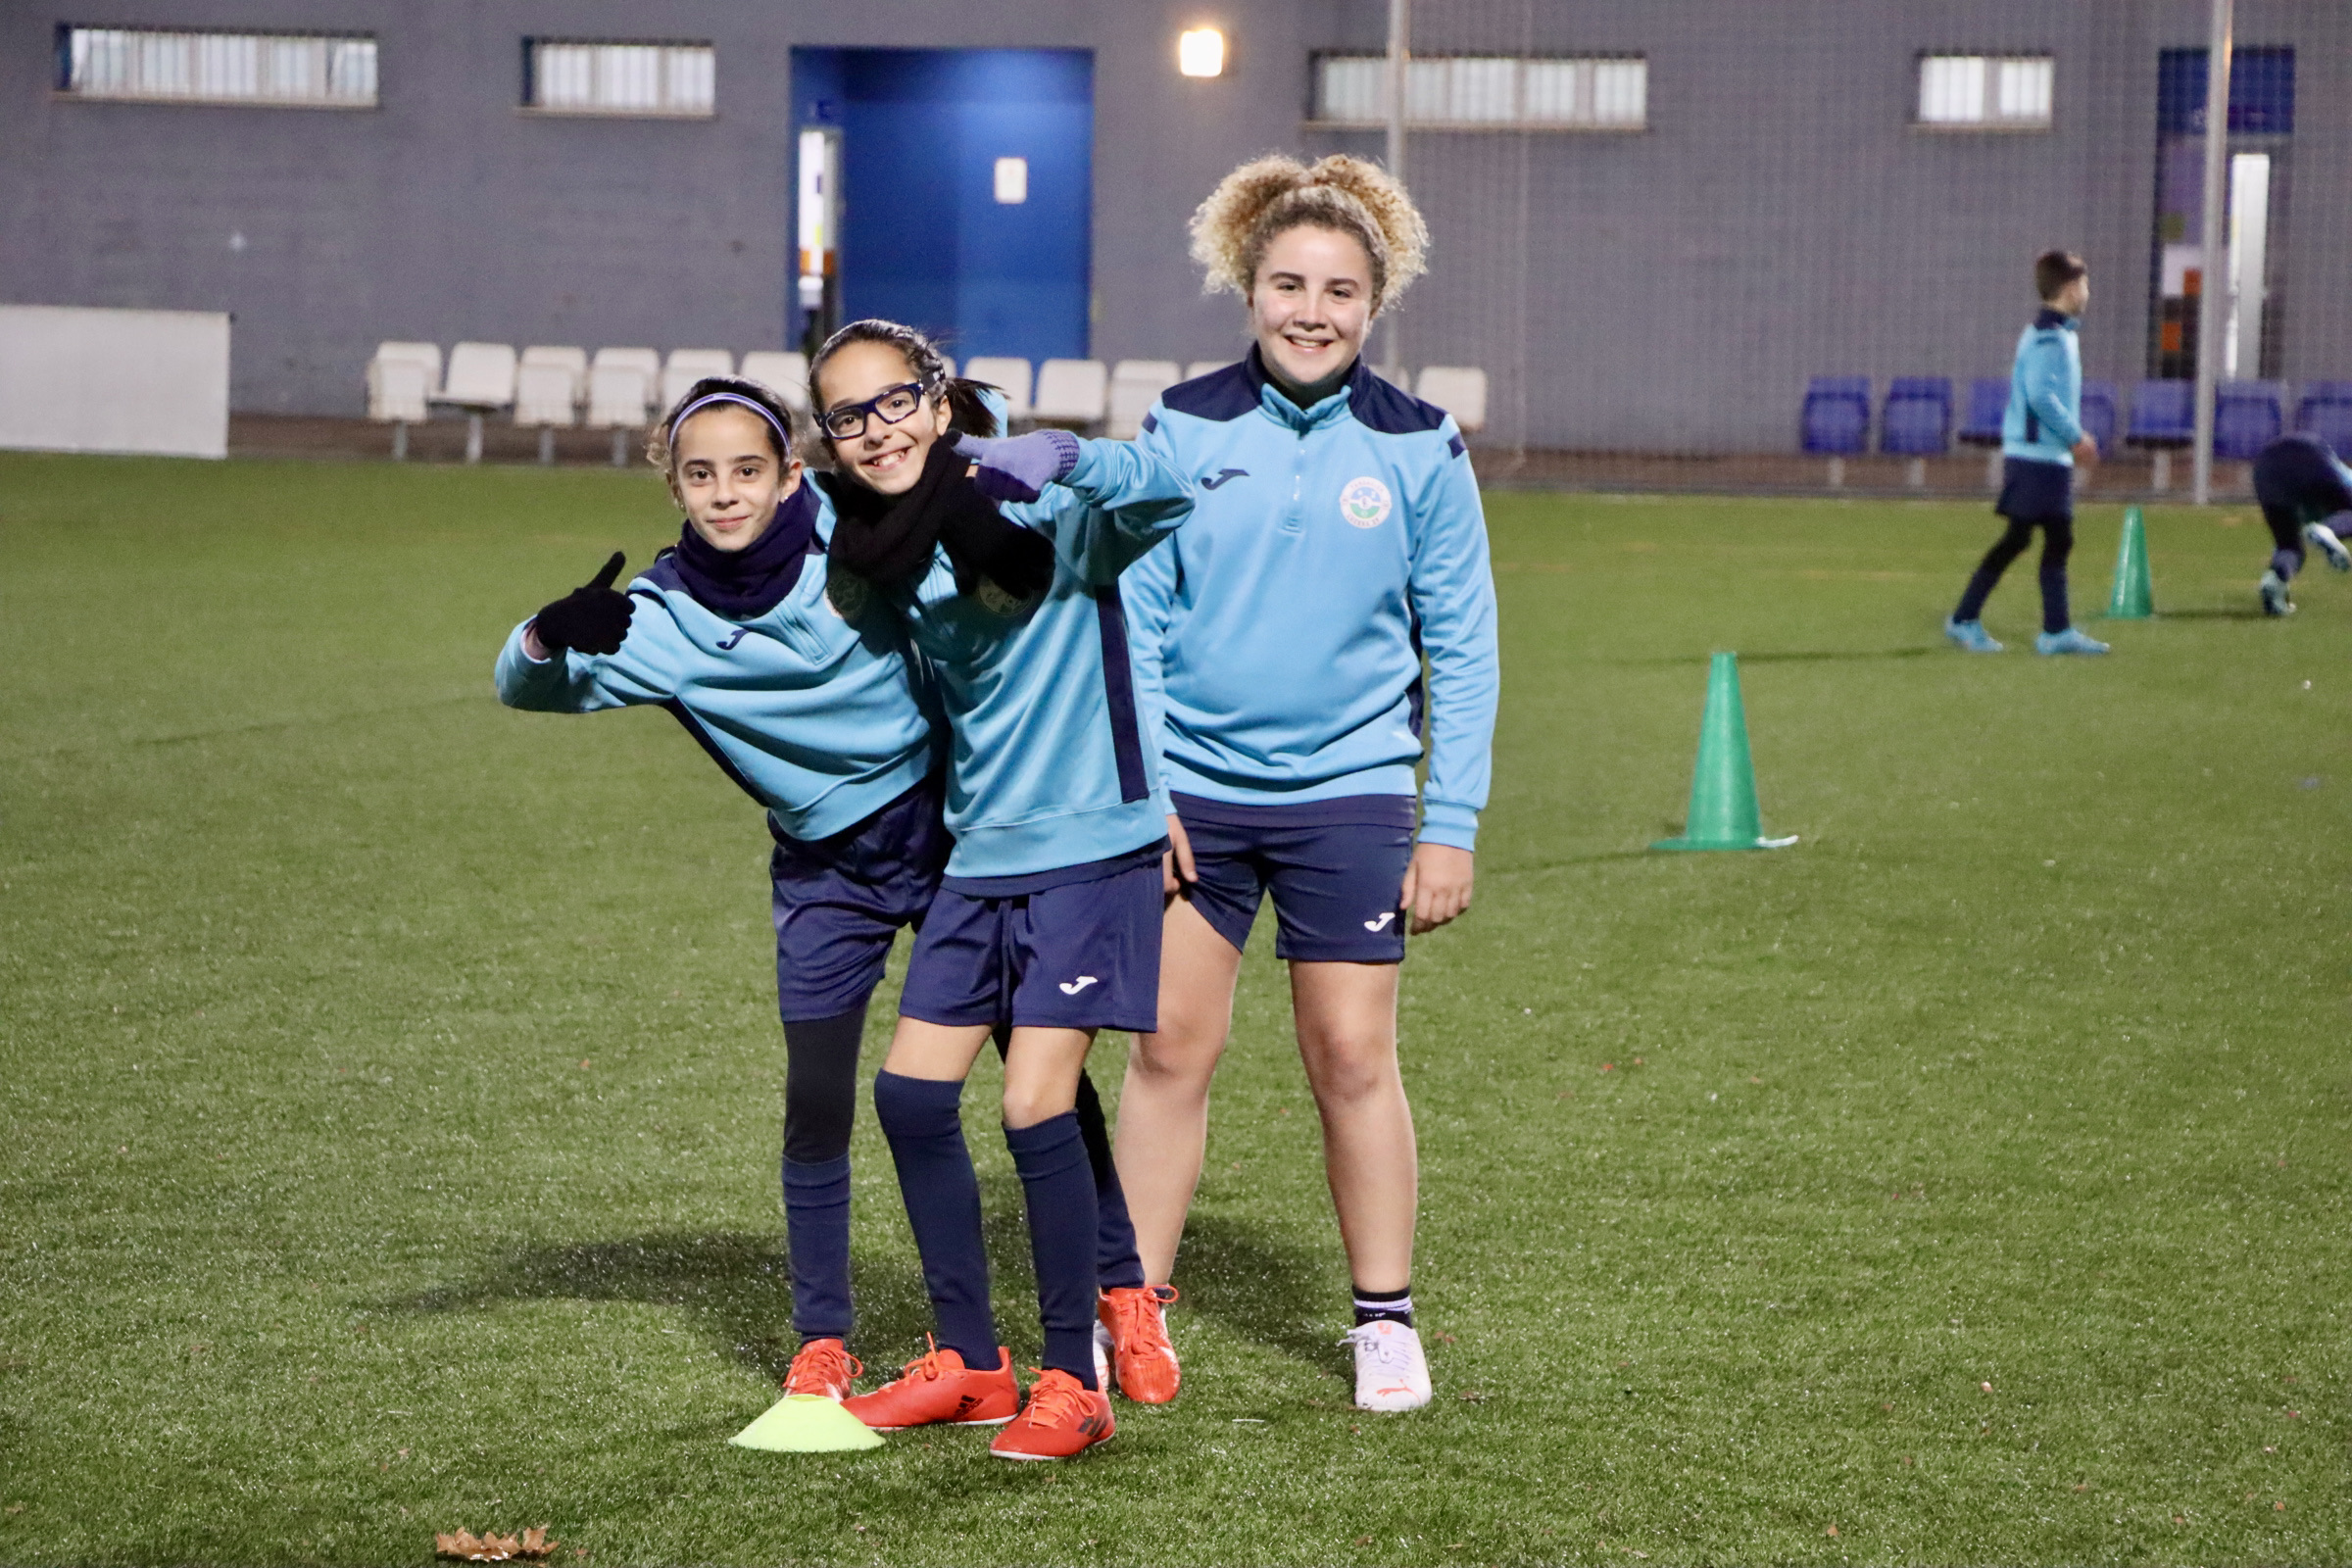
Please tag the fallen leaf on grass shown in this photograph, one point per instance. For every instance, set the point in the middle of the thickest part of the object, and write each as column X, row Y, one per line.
column 2279, row 1507
column 2082, row 1486
column 464, row 1546
column 2294, row 1416
column 1987, row 1387
column 1608, row 1066
column 1363, row 1540
column 1832, row 1530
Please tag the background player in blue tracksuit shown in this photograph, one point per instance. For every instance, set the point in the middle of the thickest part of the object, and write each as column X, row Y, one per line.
column 818, row 716
column 1049, row 915
column 2306, row 494
column 1339, row 538
column 2041, row 441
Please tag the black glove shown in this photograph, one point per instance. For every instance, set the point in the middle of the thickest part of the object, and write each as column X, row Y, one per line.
column 592, row 617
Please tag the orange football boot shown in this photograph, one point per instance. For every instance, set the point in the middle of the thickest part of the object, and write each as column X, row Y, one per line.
column 1134, row 1318
column 1062, row 1418
column 822, row 1368
column 937, row 1387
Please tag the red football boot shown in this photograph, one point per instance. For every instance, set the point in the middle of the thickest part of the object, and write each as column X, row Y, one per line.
column 1135, row 1321
column 1062, row 1418
column 937, row 1387
column 822, row 1368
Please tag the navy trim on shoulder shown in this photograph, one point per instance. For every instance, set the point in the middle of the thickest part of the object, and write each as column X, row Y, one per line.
column 1118, row 689
column 702, row 737
column 1379, row 404
column 1454, row 445
column 1221, row 395
column 1007, row 887
column 663, row 574
column 1151, row 423
column 1344, row 810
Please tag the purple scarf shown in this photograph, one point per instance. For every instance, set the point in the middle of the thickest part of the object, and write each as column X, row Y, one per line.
column 744, row 584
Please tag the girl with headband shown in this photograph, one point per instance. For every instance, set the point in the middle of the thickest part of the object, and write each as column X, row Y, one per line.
column 1337, row 540
column 821, row 718
column 1002, row 557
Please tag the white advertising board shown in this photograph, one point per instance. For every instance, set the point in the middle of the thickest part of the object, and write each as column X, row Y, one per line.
column 93, row 380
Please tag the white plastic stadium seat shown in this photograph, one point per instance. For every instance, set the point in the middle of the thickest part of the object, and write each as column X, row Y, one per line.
column 620, row 387
column 1460, row 390
column 784, row 373
column 1135, row 385
column 1200, row 367
column 546, row 395
column 1070, row 392
column 1006, row 371
column 425, row 356
column 572, row 359
column 398, row 389
column 685, row 367
column 481, row 375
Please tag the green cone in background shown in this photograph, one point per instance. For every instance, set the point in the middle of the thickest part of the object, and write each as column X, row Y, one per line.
column 1724, row 815
column 806, row 1423
column 2134, row 595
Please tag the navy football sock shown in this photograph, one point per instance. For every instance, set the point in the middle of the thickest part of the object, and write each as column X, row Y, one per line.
column 1116, row 1261
column 817, row 1236
column 1373, row 1306
column 2286, row 563
column 919, row 1116
column 1059, row 1185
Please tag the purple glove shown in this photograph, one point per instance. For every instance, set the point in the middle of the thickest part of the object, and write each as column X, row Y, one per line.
column 1020, row 469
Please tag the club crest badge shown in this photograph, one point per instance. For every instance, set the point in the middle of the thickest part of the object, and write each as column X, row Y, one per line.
column 1365, row 503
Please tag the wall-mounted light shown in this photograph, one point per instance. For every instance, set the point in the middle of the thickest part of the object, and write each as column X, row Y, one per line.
column 1201, row 52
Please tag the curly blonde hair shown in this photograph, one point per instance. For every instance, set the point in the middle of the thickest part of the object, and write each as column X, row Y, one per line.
column 1270, row 195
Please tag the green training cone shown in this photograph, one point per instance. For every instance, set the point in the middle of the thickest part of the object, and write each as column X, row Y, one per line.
column 2134, row 595
column 806, row 1423
column 1723, row 787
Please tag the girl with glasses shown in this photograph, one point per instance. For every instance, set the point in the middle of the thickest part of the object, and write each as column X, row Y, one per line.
column 1338, row 541
column 1002, row 558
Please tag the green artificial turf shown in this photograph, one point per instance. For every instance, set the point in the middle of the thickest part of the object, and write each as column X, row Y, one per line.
column 391, row 1082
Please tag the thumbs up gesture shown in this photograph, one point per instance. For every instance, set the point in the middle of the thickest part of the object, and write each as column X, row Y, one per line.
column 593, row 617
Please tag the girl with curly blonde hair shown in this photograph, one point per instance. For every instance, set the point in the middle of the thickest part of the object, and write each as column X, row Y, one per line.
column 1336, row 541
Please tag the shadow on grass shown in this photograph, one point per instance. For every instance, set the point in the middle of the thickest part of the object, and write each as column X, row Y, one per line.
column 1597, row 858
column 736, row 1289
column 2212, row 614
column 1261, row 1289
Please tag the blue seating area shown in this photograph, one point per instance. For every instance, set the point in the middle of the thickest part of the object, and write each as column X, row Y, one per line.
column 1917, row 418
column 2247, row 416
column 1988, row 401
column 1835, row 421
column 2325, row 410
column 2098, row 414
column 2164, row 414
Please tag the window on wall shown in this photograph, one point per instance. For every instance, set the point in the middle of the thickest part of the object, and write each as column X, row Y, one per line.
column 275, row 70
column 1480, row 92
column 1985, row 92
column 568, row 77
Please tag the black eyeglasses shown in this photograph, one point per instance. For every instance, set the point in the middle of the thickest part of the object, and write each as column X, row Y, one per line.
column 894, row 404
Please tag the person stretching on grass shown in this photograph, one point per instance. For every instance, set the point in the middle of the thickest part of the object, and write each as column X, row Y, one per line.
column 2042, row 440
column 1048, row 915
column 2306, row 494
column 1337, row 540
column 817, row 718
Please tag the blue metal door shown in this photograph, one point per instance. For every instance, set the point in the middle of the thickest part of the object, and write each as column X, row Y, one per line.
column 931, row 230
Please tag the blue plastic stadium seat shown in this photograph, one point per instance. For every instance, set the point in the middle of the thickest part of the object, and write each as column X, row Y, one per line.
column 1836, row 415
column 2098, row 414
column 2325, row 410
column 1917, row 420
column 2164, row 413
column 1988, row 401
column 2247, row 416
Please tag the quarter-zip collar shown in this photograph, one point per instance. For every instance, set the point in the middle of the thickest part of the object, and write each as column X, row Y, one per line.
column 1324, row 412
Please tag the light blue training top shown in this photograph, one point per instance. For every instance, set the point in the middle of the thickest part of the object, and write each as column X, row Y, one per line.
column 818, row 718
column 1047, row 771
column 2044, row 417
column 1280, row 636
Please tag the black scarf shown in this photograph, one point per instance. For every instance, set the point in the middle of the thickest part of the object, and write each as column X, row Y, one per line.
column 888, row 540
column 743, row 584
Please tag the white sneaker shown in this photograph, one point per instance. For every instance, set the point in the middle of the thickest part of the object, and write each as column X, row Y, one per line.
column 1101, row 1356
column 1390, row 1372
column 2276, row 599
column 2329, row 544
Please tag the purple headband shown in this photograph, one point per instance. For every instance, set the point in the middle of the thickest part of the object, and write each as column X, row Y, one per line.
column 783, row 435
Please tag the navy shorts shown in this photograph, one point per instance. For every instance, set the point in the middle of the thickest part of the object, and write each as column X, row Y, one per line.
column 1074, row 948
column 1336, row 869
column 2035, row 492
column 839, row 900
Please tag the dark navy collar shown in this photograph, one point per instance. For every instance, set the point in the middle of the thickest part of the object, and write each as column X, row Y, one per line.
column 2053, row 317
